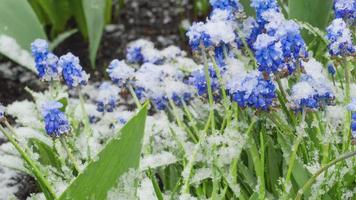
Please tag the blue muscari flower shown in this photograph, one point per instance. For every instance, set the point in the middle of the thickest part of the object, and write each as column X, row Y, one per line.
column 311, row 93
column 198, row 37
column 161, row 102
column 2, row 111
column 73, row 73
column 262, row 6
column 345, row 9
column 219, row 55
column 251, row 30
column 120, row 72
column 253, row 91
column 141, row 51
column 198, row 80
column 56, row 122
column 177, row 99
column 331, row 69
column 340, row 39
column 269, row 54
column 230, row 5
column 107, row 97
column 352, row 106
column 46, row 62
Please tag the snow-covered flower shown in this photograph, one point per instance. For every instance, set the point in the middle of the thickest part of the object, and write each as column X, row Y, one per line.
column 230, row 5
column 56, row 122
column 141, row 51
column 352, row 106
column 268, row 53
column 198, row 80
column 253, row 91
column 211, row 34
column 339, row 37
column 73, row 73
column 311, row 93
column 107, row 97
column 262, row 6
column 120, row 72
column 345, row 9
column 45, row 61
column 331, row 69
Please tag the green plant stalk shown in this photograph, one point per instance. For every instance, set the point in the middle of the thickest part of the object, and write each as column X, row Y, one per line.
column 320, row 171
column 156, row 188
column 134, row 96
column 210, row 93
column 262, row 162
column 292, row 158
column 48, row 191
column 190, row 117
column 221, row 82
column 86, row 122
column 325, row 147
column 256, row 162
column 180, row 123
column 70, row 155
column 346, row 134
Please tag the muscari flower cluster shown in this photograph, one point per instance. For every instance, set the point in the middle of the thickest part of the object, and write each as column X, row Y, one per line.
column 345, row 9
column 340, row 39
column 56, row 122
column 107, row 97
column 313, row 90
column 46, row 62
column 154, row 76
column 49, row 67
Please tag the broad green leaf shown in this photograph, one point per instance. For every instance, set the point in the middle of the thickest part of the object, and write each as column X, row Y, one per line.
column 119, row 155
column 20, row 22
column 94, row 12
column 46, row 154
column 58, row 13
column 314, row 12
column 19, row 26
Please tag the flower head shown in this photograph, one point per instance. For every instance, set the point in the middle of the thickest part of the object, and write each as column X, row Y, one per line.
column 198, row 80
column 141, row 51
column 345, row 9
column 46, row 62
column 352, row 106
column 262, row 6
column 230, row 5
column 73, row 73
column 56, row 122
column 339, row 37
column 269, row 54
column 107, row 97
column 331, row 69
column 252, row 91
column 311, row 93
column 120, row 72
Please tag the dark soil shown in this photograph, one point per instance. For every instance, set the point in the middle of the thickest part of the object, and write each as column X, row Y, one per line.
column 156, row 20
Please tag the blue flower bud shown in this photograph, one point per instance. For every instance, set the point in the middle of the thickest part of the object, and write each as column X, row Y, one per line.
column 56, row 122
column 73, row 73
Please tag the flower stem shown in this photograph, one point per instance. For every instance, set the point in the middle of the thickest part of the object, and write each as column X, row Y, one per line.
column 86, row 122
column 346, row 134
column 45, row 185
column 320, row 171
column 134, row 96
column 210, row 93
column 70, row 155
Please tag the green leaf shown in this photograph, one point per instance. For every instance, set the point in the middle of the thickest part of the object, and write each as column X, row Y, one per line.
column 78, row 13
column 46, row 154
column 247, row 8
column 19, row 27
column 20, row 22
column 58, row 13
column 119, row 155
column 314, row 12
column 94, row 12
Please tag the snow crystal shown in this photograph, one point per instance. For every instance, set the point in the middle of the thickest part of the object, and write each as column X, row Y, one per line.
column 146, row 190
column 161, row 159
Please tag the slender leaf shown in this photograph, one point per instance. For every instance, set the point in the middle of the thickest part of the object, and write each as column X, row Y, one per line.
column 94, row 11
column 78, row 13
column 61, row 37
column 119, row 155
